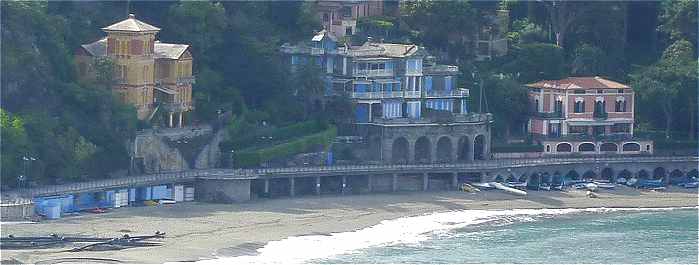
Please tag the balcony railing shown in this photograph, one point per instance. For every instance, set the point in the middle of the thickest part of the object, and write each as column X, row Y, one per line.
column 413, row 94
column 186, row 80
column 377, row 95
column 372, row 73
column 548, row 115
column 600, row 115
column 447, row 93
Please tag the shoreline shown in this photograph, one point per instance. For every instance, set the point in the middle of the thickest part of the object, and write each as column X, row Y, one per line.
column 200, row 231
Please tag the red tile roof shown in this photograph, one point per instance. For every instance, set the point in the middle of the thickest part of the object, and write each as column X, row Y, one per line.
column 579, row 83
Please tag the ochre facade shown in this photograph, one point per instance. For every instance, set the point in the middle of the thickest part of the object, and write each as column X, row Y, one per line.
column 150, row 75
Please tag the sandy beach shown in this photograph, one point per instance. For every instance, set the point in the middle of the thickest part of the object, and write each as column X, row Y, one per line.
column 203, row 231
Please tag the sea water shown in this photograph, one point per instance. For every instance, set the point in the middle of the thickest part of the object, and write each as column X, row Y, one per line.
column 594, row 235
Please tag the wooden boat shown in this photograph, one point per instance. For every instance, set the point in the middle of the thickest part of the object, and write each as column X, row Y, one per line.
column 508, row 189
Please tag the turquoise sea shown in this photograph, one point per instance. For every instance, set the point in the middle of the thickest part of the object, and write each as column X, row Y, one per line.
column 594, row 235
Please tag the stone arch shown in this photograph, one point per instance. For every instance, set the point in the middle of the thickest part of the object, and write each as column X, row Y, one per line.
column 423, row 150
column 676, row 177
column 694, row 173
column 659, row 173
column 609, row 147
column 631, row 147
column 643, row 174
column 624, row 174
column 607, row 173
column 522, row 178
column 499, row 179
column 557, row 178
column 479, row 151
column 589, row 175
column 399, row 152
column 511, row 178
column 564, row 148
column 586, row 147
column 463, row 149
column 444, row 150
column 534, row 180
column 573, row 175
column 546, row 178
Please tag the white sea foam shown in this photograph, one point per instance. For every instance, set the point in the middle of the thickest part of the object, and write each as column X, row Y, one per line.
column 406, row 230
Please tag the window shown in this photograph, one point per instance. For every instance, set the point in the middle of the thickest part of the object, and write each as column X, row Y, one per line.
column 346, row 12
column 348, row 31
column 326, row 18
column 579, row 106
column 558, row 106
column 600, row 91
column 577, row 129
column 536, row 105
column 599, row 106
column 620, row 91
column 620, row 106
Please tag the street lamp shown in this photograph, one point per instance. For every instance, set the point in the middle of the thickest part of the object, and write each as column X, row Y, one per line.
column 23, row 178
column 232, row 153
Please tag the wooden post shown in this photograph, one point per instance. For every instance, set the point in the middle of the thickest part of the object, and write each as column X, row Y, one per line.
column 394, row 186
column 455, row 180
column 425, row 181
column 317, row 185
column 292, row 185
column 344, row 185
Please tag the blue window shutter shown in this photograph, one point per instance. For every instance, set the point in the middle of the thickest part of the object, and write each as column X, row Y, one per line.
column 428, row 83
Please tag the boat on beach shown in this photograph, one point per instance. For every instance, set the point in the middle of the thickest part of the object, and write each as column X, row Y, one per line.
column 507, row 189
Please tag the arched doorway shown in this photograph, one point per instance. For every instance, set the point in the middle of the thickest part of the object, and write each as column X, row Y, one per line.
column 534, row 181
column 692, row 174
column 444, row 150
column 423, row 150
column 586, row 147
column 631, row 147
column 643, row 174
column 589, row 175
column 677, row 177
column 479, row 148
column 463, row 152
column 608, row 147
column 557, row 178
column 659, row 173
column 511, row 178
column 573, row 175
column 607, row 173
column 624, row 174
column 564, row 148
column 522, row 178
column 400, row 151
column 546, row 178
column 499, row 179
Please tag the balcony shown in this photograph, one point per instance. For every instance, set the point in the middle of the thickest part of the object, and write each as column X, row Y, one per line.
column 600, row 115
column 458, row 93
column 413, row 94
column 372, row 73
column 188, row 80
column 317, row 51
column 377, row 95
column 548, row 115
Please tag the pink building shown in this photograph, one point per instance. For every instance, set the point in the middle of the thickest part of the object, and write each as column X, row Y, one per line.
column 584, row 115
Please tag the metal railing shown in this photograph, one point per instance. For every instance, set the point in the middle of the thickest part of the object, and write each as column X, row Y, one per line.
column 191, row 175
column 447, row 93
column 372, row 73
column 377, row 95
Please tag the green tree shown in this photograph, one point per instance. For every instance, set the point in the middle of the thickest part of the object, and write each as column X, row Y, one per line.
column 661, row 84
column 532, row 62
column 308, row 87
column 508, row 101
column 678, row 19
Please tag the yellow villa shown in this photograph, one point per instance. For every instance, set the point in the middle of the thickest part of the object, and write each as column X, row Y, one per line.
column 150, row 75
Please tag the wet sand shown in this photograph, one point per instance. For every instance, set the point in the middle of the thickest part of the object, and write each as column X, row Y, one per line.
column 203, row 231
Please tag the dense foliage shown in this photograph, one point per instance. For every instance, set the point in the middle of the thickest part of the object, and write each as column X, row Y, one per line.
column 76, row 129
